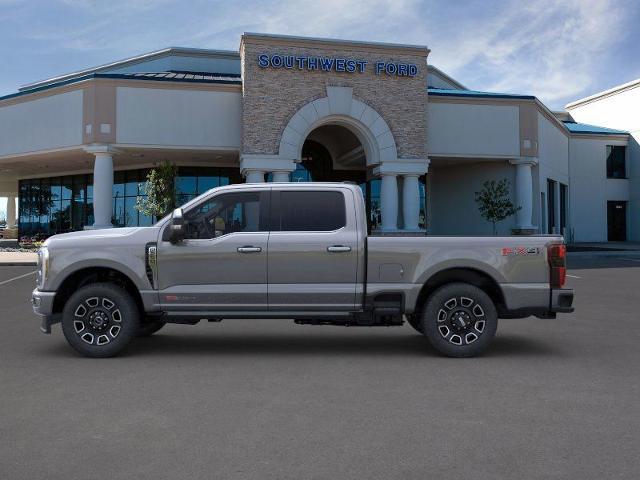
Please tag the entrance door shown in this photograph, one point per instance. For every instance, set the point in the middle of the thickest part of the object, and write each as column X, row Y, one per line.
column 617, row 221
column 222, row 263
column 313, row 251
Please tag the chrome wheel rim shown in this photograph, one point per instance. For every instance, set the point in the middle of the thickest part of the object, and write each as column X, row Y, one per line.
column 97, row 320
column 461, row 320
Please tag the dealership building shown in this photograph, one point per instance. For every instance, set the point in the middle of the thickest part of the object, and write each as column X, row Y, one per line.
column 75, row 150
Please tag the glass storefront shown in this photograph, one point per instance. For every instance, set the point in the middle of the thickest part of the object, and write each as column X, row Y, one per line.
column 63, row 204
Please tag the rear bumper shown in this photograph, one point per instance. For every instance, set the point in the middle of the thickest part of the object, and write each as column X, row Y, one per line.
column 523, row 300
column 42, row 303
column 562, row 300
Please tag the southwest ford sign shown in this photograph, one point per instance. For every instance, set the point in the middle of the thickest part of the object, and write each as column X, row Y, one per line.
column 334, row 64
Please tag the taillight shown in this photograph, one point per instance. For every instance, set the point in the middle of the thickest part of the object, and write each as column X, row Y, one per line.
column 558, row 265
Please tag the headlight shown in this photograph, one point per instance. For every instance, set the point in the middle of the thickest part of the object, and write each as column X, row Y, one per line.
column 43, row 266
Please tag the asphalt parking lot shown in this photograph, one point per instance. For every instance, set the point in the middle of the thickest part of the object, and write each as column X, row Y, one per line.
column 273, row 400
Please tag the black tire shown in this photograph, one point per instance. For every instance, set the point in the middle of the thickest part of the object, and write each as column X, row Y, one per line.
column 459, row 320
column 100, row 319
column 149, row 327
column 416, row 322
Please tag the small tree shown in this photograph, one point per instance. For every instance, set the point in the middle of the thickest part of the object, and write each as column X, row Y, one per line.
column 160, row 191
column 494, row 202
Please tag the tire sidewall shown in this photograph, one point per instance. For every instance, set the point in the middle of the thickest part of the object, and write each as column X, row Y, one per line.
column 128, row 326
column 430, row 323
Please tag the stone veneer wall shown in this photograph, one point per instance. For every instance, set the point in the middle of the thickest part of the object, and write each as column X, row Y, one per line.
column 271, row 96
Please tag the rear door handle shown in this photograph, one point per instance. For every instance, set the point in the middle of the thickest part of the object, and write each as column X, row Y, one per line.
column 249, row 249
column 338, row 248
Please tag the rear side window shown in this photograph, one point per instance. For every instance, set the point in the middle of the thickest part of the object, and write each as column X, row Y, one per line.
column 311, row 211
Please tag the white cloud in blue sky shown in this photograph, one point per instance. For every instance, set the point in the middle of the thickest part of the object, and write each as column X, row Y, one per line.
column 556, row 50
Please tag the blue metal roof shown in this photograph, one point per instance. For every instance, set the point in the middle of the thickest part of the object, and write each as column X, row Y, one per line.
column 575, row 127
column 188, row 77
column 445, row 92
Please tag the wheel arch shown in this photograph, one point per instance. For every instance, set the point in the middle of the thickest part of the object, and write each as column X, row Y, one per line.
column 471, row 276
column 97, row 274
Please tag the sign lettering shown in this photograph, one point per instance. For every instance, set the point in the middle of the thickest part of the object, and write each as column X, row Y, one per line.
column 331, row 64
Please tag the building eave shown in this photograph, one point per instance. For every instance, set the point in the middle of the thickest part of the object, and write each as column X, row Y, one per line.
column 115, row 76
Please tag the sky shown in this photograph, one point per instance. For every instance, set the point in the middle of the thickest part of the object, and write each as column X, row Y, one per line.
column 557, row 50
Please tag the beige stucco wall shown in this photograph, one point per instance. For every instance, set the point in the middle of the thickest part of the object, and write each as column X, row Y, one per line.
column 271, row 96
column 54, row 121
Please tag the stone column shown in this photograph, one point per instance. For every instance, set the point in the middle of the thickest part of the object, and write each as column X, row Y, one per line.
column 411, row 202
column 524, row 194
column 11, row 212
column 102, row 185
column 389, row 202
column 254, row 176
column 253, row 167
column 410, row 170
column 280, row 176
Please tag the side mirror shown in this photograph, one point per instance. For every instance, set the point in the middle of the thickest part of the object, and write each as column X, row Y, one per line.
column 177, row 228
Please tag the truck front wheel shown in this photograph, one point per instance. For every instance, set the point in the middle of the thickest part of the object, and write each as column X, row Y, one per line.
column 459, row 320
column 100, row 319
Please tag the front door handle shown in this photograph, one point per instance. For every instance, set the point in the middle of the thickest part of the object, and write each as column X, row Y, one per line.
column 249, row 249
column 338, row 248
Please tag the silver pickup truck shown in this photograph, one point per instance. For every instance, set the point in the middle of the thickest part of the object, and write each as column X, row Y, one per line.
column 291, row 250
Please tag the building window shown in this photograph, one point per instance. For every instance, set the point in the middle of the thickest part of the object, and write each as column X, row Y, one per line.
column 61, row 204
column 616, row 161
column 563, row 207
column 551, row 206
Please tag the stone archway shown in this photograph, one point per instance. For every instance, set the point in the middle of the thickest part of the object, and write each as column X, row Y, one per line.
column 340, row 108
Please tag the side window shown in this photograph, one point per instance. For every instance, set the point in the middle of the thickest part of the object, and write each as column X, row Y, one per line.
column 309, row 211
column 616, row 167
column 224, row 214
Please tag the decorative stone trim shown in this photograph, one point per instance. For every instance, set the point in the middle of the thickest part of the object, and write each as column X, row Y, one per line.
column 339, row 107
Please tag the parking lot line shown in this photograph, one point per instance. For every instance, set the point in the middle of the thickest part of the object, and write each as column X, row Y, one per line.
column 18, row 277
column 573, row 276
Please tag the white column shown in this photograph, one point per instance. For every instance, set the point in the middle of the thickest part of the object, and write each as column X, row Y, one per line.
column 102, row 185
column 254, row 176
column 410, row 202
column 280, row 176
column 524, row 192
column 389, row 202
column 11, row 212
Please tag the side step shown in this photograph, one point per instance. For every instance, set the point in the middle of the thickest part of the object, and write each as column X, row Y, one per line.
column 379, row 316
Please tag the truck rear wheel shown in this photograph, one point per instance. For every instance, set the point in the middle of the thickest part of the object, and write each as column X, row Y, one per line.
column 100, row 319
column 459, row 320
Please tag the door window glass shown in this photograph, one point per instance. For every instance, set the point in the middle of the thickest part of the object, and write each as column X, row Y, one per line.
column 224, row 214
column 311, row 211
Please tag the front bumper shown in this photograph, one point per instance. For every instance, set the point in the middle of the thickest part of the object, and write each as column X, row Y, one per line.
column 562, row 300
column 42, row 303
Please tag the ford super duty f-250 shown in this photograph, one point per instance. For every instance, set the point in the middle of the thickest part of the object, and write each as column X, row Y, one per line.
column 291, row 250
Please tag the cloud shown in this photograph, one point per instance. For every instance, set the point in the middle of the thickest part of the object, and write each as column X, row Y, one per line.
column 557, row 50
column 547, row 48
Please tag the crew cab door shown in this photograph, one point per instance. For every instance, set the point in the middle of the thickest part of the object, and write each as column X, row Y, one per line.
column 221, row 265
column 313, row 250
